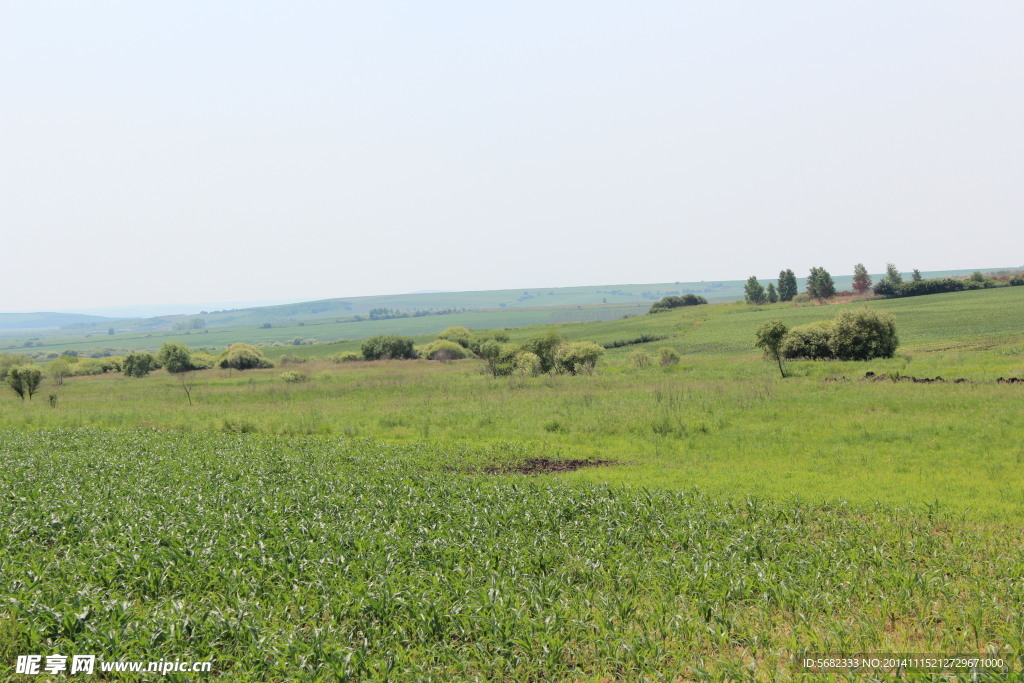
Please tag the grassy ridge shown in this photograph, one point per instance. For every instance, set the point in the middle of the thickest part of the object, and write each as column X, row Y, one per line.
column 326, row 559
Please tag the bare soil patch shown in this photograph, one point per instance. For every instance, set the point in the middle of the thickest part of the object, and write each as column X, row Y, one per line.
column 546, row 466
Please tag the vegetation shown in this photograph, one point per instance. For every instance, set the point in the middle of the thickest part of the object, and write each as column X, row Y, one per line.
column 753, row 292
column 241, row 356
column 669, row 302
column 820, row 284
column 769, row 339
column 139, row 364
column 853, row 335
column 861, row 279
column 575, row 358
column 388, row 346
column 24, row 380
column 787, row 285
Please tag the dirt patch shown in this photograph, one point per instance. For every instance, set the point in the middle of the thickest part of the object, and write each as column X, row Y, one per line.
column 1010, row 380
column 546, row 466
column 872, row 377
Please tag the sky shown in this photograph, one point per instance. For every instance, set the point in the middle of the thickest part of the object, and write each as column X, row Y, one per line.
column 184, row 151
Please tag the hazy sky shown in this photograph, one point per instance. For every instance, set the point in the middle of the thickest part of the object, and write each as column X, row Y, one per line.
column 229, row 151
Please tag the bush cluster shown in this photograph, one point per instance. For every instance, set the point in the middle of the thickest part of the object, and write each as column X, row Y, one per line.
column 852, row 335
column 670, row 302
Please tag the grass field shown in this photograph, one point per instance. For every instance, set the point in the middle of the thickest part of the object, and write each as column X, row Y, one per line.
column 348, row 525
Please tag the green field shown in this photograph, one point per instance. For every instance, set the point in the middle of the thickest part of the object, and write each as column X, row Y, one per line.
column 365, row 523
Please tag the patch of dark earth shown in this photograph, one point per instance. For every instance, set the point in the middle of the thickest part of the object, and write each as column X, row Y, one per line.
column 545, row 466
column 872, row 377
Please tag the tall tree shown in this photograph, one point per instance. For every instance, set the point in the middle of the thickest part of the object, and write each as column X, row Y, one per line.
column 773, row 296
column 916, row 276
column 787, row 285
column 820, row 284
column 861, row 279
column 892, row 273
column 753, row 292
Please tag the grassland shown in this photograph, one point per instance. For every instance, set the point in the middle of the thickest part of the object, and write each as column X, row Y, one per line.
column 344, row 526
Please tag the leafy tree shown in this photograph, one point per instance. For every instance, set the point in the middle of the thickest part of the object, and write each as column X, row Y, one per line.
column 24, row 379
column 138, row 364
column 58, row 369
column 773, row 296
column 916, row 276
column 863, row 335
column 753, row 292
column 175, row 358
column 769, row 338
column 977, row 276
column 526, row 364
column 861, row 279
column 544, row 346
column 820, row 284
column 499, row 357
column 892, row 273
column 388, row 346
column 9, row 360
column 578, row 357
column 787, row 285
column 241, row 356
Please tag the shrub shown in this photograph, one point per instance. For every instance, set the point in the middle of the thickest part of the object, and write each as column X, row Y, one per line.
column 578, row 357
column 200, row 360
column 499, row 357
column 138, row 364
column 345, row 357
column 290, row 360
column 98, row 366
column 808, row 341
column 58, row 369
column 388, row 346
column 668, row 356
column 292, row 377
column 9, row 360
column 526, row 364
column 1017, row 281
column 444, row 350
column 458, row 334
column 544, row 345
column 175, row 358
column 241, row 356
column 640, row 358
column 670, row 302
column 862, row 335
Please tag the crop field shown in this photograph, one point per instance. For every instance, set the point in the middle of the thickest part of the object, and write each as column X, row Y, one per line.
column 371, row 523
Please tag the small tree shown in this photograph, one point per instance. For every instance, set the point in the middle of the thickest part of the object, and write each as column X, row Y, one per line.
column 578, row 357
column 892, row 273
column 820, row 284
column 388, row 346
column 640, row 358
column 916, row 276
column 772, row 295
column 58, row 369
column 863, row 335
column 138, row 364
column 24, row 379
column 769, row 338
column 499, row 357
column 787, row 285
column 861, row 279
column 175, row 357
column 458, row 334
column 753, row 292
column 668, row 356
column 544, row 346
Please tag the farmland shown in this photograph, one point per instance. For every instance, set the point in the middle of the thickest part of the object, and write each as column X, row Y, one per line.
column 366, row 523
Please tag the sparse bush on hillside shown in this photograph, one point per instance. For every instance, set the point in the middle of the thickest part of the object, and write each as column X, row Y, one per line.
column 292, row 377
column 578, row 357
column 345, row 357
column 290, row 360
column 668, row 356
column 387, row 346
column 640, row 358
column 241, row 356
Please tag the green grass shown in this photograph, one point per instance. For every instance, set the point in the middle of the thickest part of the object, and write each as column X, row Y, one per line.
column 326, row 559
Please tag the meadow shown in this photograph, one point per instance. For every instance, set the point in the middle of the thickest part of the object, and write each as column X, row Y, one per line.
column 367, row 523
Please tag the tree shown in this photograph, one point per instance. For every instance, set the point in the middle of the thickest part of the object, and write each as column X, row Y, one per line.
column 544, row 346
column 58, row 369
column 386, row 346
column 863, row 335
column 787, row 285
column 9, row 360
column 773, row 296
column 24, row 379
column 138, row 364
column 820, row 284
column 861, row 279
column 578, row 357
column 241, row 356
column 458, row 334
column 916, row 276
column 753, row 292
column 500, row 357
column 175, row 358
column 892, row 274
column 769, row 338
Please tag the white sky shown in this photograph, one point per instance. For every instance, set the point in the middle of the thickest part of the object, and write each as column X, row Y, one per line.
column 211, row 151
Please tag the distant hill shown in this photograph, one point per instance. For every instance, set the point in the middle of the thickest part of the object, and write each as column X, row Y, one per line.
column 45, row 321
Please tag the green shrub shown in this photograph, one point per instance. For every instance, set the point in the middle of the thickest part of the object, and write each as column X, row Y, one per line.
column 290, row 360
column 444, row 350
column 863, row 335
column 1017, row 281
column 388, row 346
column 9, row 360
column 808, row 341
column 499, row 357
column 668, row 356
column 345, row 357
column 526, row 364
column 241, row 356
column 138, row 364
column 640, row 358
column 670, row 302
column 458, row 334
column 292, row 377
column 578, row 357
column 544, row 345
